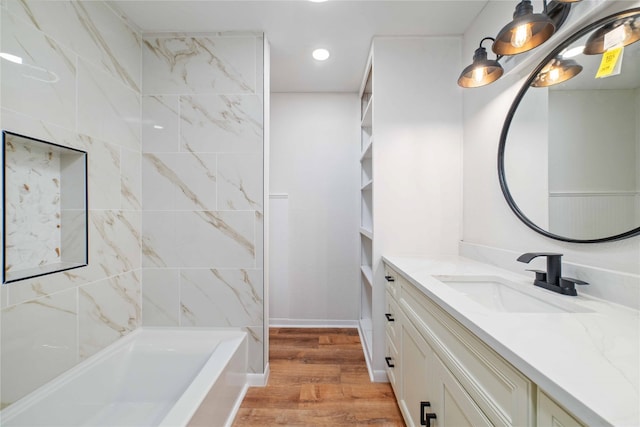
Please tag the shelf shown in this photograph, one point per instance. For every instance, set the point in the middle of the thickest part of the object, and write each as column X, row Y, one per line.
column 366, row 153
column 366, row 233
column 367, row 186
column 367, row 115
column 367, row 272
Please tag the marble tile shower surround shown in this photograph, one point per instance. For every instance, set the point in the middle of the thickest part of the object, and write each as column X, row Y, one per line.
column 71, row 315
column 221, row 123
column 91, row 29
column 182, row 63
column 83, row 65
column 114, row 230
column 202, row 171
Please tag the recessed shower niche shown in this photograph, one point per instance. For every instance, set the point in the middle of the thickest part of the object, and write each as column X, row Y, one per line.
column 45, row 208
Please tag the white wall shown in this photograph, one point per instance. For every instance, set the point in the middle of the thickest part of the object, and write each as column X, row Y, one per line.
column 314, row 154
column 417, row 153
column 525, row 163
column 487, row 220
column 417, row 147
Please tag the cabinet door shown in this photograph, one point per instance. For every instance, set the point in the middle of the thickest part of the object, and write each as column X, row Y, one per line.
column 550, row 414
column 452, row 405
column 417, row 379
column 426, row 379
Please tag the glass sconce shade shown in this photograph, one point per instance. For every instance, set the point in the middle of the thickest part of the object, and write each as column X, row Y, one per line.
column 558, row 70
column 595, row 43
column 481, row 72
column 526, row 31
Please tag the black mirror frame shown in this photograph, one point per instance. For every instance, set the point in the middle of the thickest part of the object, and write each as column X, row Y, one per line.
column 514, row 106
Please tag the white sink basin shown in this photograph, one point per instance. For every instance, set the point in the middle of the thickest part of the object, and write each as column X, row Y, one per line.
column 500, row 295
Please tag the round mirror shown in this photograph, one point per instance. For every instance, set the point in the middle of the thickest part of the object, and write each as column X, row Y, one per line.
column 569, row 154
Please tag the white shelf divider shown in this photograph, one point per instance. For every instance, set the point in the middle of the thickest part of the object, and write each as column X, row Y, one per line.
column 367, row 117
column 366, row 233
column 366, row 153
column 367, row 272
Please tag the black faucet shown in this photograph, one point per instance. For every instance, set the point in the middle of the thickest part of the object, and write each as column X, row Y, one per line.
column 552, row 278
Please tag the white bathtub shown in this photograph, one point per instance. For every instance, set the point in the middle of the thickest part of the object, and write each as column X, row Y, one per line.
column 152, row 377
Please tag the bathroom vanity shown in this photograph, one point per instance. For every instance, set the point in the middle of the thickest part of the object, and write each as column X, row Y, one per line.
column 471, row 344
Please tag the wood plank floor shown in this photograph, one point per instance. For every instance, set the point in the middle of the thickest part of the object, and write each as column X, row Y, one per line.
column 318, row 378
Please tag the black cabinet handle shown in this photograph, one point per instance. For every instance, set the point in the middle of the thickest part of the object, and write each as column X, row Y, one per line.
column 390, row 278
column 389, row 364
column 389, row 317
column 425, row 419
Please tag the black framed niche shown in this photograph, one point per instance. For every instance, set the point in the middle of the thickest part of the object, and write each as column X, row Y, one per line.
column 45, row 217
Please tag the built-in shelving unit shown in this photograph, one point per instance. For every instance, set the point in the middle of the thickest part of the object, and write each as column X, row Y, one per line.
column 410, row 169
column 366, row 211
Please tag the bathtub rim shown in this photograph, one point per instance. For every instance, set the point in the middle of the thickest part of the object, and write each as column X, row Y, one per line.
column 186, row 406
column 22, row 404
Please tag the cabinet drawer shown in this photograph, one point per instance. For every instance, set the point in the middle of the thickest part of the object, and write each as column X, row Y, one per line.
column 391, row 279
column 392, row 319
column 392, row 364
column 502, row 392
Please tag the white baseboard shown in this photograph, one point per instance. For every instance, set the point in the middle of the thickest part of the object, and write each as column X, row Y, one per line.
column 312, row 323
column 376, row 376
column 379, row 376
column 259, row 380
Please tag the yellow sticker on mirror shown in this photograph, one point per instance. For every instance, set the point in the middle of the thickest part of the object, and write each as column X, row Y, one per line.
column 610, row 64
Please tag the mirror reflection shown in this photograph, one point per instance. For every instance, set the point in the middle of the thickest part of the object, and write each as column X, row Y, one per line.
column 572, row 152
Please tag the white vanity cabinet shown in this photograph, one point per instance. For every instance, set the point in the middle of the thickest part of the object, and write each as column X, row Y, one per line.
column 437, row 360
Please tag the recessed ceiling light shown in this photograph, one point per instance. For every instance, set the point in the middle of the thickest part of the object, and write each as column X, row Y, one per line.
column 320, row 54
column 317, row 1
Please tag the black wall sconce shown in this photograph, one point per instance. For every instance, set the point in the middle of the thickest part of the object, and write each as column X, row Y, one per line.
column 526, row 31
column 482, row 71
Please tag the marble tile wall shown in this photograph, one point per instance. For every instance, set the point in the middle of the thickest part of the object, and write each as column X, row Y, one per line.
column 202, row 180
column 79, row 86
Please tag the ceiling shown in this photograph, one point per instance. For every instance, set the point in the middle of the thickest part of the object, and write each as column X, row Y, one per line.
column 295, row 27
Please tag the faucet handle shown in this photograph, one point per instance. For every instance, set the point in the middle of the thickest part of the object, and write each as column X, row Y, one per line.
column 568, row 282
column 540, row 275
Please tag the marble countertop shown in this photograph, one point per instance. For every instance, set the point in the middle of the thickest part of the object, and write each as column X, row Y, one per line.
column 587, row 360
